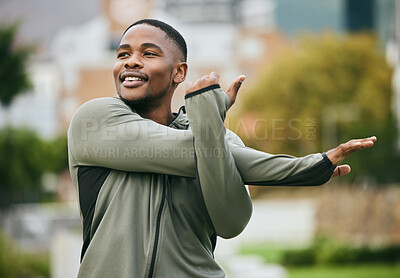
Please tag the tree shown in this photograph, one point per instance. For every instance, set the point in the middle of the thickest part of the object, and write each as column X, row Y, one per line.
column 21, row 165
column 326, row 90
column 13, row 77
column 24, row 158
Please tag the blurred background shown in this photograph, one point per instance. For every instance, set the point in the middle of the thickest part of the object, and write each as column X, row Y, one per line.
column 318, row 74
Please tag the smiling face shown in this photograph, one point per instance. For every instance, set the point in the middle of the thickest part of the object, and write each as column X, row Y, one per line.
column 148, row 67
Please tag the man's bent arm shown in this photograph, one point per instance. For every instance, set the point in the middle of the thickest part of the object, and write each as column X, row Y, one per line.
column 227, row 202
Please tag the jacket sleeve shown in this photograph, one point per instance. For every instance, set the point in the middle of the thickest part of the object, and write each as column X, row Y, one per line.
column 226, row 200
column 260, row 168
column 105, row 132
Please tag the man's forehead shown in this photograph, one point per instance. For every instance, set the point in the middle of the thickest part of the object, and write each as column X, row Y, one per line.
column 145, row 32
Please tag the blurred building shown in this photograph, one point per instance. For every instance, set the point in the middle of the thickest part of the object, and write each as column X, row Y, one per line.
column 295, row 17
column 202, row 11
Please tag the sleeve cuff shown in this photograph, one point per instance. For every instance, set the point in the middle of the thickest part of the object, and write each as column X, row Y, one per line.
column 202, row 90
column 327, row 160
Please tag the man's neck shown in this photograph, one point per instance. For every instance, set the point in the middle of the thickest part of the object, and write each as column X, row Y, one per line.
column 158, row 111
column 161, row 116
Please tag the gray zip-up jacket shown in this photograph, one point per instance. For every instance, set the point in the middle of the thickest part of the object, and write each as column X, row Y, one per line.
column 154, row 198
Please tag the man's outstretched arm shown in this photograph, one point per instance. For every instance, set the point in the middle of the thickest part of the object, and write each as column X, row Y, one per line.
column 310, row 170
column 105, row 132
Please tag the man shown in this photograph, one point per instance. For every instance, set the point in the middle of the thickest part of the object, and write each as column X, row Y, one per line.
column 156, row 188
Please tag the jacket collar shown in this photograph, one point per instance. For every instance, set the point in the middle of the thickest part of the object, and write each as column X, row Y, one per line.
column 181, row 121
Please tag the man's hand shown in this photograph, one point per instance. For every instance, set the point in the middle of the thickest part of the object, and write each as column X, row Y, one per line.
column 342, row 151
column 213, row 78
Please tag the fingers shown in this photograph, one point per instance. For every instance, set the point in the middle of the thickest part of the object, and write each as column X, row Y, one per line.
column 213, row 78
column 234, row 88
column 372, row 138
column 339, row 153
column 341, row 171
column 353, row 146
column 213, row 75
column 362, row 143
column 205, row 81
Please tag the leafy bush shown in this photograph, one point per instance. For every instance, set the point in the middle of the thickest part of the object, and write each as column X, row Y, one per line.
column 299, row 257
column 327, row 251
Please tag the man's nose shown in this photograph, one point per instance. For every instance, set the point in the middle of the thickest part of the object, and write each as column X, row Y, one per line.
column 134, row 62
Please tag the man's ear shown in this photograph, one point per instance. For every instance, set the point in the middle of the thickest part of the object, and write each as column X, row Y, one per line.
column 181, row 72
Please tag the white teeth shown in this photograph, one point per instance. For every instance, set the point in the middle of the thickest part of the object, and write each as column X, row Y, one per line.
column 132, row 78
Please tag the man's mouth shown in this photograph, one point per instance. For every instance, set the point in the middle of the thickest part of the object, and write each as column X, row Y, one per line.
column 133, row 79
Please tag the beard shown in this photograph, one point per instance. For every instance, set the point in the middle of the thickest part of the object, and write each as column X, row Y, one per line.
column 142, row 104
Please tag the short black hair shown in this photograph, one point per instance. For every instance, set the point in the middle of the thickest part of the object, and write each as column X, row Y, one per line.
column 170, row 31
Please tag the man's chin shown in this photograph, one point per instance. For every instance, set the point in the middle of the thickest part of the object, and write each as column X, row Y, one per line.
column 135, row 104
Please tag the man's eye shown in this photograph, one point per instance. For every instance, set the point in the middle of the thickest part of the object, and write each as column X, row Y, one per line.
column 149, row 54
column 122, row 54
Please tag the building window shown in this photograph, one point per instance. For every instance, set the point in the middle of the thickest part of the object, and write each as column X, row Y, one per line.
column 359, row 15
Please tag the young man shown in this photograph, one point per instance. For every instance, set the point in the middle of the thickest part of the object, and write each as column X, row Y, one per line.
column 156, row 188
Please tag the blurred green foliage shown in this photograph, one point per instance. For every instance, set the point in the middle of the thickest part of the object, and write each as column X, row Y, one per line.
column 326, row 251
column 326, row 90
column 24, row 158
column 346, row 271
column 14, row 264
column 13, row 61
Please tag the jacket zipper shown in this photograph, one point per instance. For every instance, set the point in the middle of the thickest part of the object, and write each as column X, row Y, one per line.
column 157, row 236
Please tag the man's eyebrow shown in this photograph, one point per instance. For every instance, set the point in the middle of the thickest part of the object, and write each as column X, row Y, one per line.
column 123, row 46
column 144, row 45
column 151, row 45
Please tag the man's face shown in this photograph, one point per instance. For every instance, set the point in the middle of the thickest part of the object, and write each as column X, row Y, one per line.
column 143, row 71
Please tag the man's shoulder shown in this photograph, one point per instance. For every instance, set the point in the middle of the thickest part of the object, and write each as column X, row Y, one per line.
column 100, row 107
column 99, row 111
column 101, row 103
